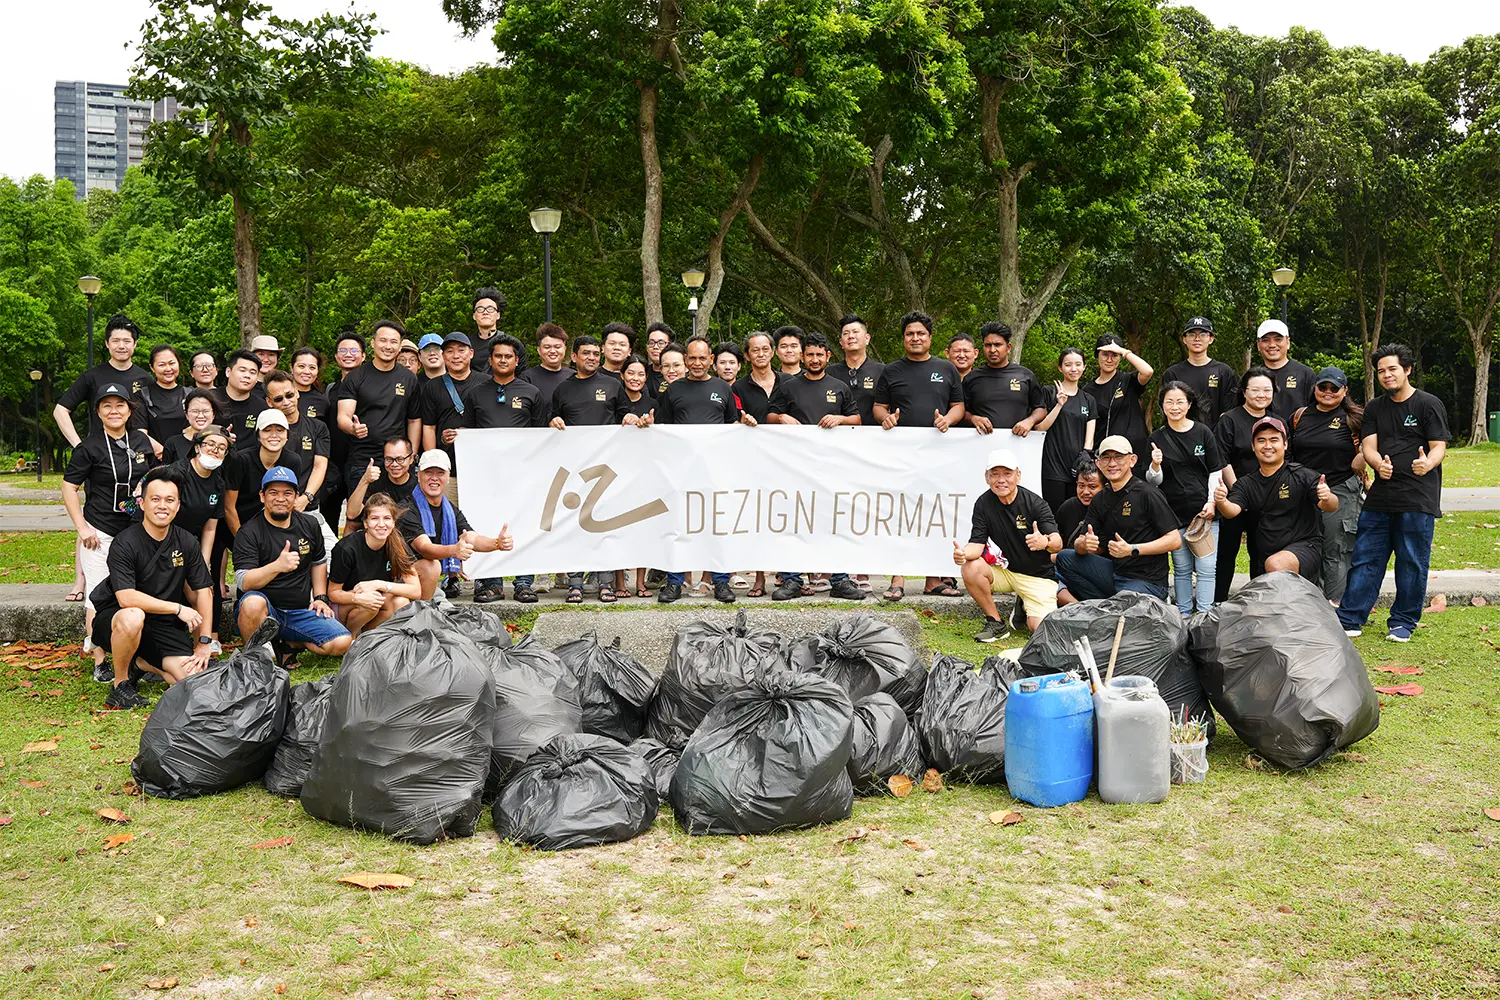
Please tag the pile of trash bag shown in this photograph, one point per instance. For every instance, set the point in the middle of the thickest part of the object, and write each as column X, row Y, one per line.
column 1277, row 665
column 707, row 662
column 217, row 729
column 1154, row 646
column 865, row 655
column 614, row 688
column 770, row 756
column 884, row 745
column 484, row 627
column 536, row 701
column 577, row 791
column 304, row 727
column 406, row 745
column 663, row 761
column 962, row 722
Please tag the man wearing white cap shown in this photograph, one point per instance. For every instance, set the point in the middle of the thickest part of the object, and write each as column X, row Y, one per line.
column 1010, row 550
column 1127, row 533
column 1291, row 381
column 242, row 498
column 266, row 348
column 437, row 531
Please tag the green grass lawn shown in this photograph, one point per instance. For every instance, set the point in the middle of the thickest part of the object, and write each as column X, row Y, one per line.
column 28, row 481
column 1373, row 875
column 1473, row 467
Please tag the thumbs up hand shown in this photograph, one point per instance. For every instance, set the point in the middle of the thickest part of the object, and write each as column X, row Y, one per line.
column 891, row 419
column 1036, row 541
column 1155, row 456
column 1323, row 491
column 1421, row 464
column 372, row 473
column 1221, row 492
column 1090, row 541
column 504, row 539
column 288, row 560
column 1119, row 548
column 361, row 431
column 1385, row 468
column 939, row 420
column 959, row 558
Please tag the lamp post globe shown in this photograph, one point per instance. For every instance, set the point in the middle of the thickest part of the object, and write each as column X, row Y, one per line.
column 1283, row 277
column 546, row 221
column 692, row 279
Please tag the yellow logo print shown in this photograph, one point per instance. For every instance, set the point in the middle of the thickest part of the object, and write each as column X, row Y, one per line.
column 1015, row 385
column 1334, row 424
column 1125, row 509
column 1213, row 381
column 303, row 546
column 1021, row 524
column 400, row 389
column 830, row 397
column 1291, row 381
column 1284, row 493
column 599, row 395
column 515, row 404
column 176, row 557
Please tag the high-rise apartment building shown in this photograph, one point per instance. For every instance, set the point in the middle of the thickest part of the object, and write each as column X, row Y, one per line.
column 99, row 132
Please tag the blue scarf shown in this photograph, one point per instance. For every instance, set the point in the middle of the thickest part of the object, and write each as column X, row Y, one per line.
column 449, row 534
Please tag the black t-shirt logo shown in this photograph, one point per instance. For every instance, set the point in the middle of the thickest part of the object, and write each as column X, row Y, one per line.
column 599, row 395
column 1125, row 509
column 1291, row 381
column 307, row 444
column 936, row 377
column 1334, row 424
column 1020, row 522
column 250, row 422
column 400, row 388
column 1213, row 381
column 213, row 498
column 312, row 411
column 1197, row 451
column 869, row 383
column 1410, row 421
column 1284, row 493
column 830, row 397
column 515, row 404
column 303, row 546
column 1015, row 385
column 176, row 558
column 1120, row 393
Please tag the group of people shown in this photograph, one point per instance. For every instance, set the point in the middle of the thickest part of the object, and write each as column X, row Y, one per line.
column 336, row 498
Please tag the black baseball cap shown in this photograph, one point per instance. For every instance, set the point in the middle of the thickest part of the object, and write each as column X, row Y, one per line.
column 1333, row 375
column 1199, row 323
column 456, row 338
column 113, row 389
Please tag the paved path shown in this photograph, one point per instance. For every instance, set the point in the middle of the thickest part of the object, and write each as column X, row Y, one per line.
column 1487, row 498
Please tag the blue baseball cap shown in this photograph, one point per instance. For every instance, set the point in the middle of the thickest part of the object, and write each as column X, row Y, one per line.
column 278, row 474
column 431, row 340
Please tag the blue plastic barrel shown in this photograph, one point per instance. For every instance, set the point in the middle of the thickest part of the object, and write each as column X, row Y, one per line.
column 1049, row 740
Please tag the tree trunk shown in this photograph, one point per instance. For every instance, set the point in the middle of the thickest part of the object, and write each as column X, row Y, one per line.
column 1479, row 431
column 731, row 212
column 879, row 223
column 309, row 288
column 651, row 224
column 246, row 271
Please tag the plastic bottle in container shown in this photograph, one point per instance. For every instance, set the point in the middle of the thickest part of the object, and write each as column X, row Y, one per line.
column 1049, row 740
column 1135, row 748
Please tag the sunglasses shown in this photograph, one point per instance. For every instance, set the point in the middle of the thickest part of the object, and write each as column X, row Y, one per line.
column 284, row 397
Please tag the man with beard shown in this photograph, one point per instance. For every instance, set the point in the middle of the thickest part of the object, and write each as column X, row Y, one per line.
column 1001, row 394
column 378, row 401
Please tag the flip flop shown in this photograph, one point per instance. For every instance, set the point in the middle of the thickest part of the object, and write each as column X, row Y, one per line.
column 894, row 594
column 74, row 595
column 757, row 592
column 943, row 591
column 642, row 592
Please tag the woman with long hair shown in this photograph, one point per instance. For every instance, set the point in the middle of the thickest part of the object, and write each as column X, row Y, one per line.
column 372, row 574
column 312, row 401
column 1184, row 456
column 1325, row 438
column 1238, row 454
column 1069, row 423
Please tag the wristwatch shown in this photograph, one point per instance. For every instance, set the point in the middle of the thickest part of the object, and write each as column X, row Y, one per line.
column 205, row 640
column 323, row 598
column 1135, row 550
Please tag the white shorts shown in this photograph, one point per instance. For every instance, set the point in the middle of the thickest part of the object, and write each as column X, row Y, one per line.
column 94, row 564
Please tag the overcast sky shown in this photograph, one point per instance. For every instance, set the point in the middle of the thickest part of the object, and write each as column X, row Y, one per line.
column 90, row 40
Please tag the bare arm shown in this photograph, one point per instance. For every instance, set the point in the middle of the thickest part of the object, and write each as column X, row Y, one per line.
column 210, row 529
column 231, row 511
column 414, row 435
column 64, row 418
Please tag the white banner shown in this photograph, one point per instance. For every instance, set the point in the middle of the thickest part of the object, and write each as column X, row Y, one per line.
column 728, row 497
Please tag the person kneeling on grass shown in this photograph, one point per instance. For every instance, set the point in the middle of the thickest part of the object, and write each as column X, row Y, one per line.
column 1010, row 550
column 372, row 573
column 280, row 572
column 437, row 530
column 139, row 614
column 1284, row 500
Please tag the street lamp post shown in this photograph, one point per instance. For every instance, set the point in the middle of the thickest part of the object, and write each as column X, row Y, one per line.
column 546, row 221
column 36, row 406
column 89, row 286
column 692, row 278
column 1283, row 276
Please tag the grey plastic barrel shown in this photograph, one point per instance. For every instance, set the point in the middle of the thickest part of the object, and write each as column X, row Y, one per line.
column 1135, row 749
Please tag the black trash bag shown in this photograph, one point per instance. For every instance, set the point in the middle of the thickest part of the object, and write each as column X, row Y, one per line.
column 577, row 791
column 706, row 663
column 304, row 727
column 486, row 629
column 217, row 729
column 962, row 722
column 536, row 701
column 1154, row 645
column 885, row 745
column 864, row 655
column 614, row 687
column 1277, row 665
column 406, row 746
column 663, row 761
column 771, row 756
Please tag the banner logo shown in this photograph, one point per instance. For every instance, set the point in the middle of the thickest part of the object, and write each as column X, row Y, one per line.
column 601, row 476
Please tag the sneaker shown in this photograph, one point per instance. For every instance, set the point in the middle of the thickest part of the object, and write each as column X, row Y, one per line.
column 452, row 588
column 723, row 592
column 523, row 595
column 104, row 673
column 123, row 697
column 1354, row 633
column 787, row 591
column 216, row 648
column 994, row 631
column 667, row 593
column 1399, row 633
column 846, row 590
column 1017, row 618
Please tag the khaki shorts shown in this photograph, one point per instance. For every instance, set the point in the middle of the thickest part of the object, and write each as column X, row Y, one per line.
column 451, row 490
column 1038, row 595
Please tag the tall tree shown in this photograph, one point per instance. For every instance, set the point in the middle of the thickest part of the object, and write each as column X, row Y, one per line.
column 235, row 68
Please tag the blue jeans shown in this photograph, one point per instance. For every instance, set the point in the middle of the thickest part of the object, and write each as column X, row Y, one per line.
column 1091, row 578
column 677, row 579
column 299, row 624
column 499, row 581
column 1409, row 535
column 797, row 577
column 1185, row 564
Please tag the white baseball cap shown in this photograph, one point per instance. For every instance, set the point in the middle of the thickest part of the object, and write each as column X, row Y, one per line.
column 434, row 459
column 1002, row 458
column 1271, row 326
column 271, row 418
column 1118, row 443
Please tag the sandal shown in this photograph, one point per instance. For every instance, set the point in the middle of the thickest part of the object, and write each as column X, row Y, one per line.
column 943, row 590
column 756, row 592
column 74, row 595
column 642, row 592
column 575, row 595
column 606, row 594
column 894, row 594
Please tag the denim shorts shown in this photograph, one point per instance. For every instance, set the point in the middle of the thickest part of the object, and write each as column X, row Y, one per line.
column 300, row 624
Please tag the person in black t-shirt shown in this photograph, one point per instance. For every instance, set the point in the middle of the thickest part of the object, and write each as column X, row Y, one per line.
column 617, row 341
column 919, row 391
column 1325, row 438
column 551, row 347
column 244, row 399
column 728, row 360
column 1184, row 458
column 378, row 401
column 120, row 336
column 202, row 492
column 1213, row 382
column 755, row 387
column 858, row 370
column 394, row 475
column 109, row 464
column 1069, row 422
column 162, row 397
column 1087, row 485
column 1127, row 533
column 1405, row 438
column 281, row 573
column 788, row 340
column 1000, row 394
column 200, row 409
column 307, row 438
column 1010, row 550
column 1238, row 453
column 372, row 574
column 658, row 336
column 443, row 404
column 348, row 355
column 311, row 401
column 249, row 466
column 1285, row 499
column 633, row 377
column 437, row 530
column 1118, row 393
column 154, row 567
column 1293, row 381
column 489, row 310
column 963, row 353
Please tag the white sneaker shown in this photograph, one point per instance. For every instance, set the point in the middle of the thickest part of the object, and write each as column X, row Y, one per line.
column 215, row 648
column 1354, row 633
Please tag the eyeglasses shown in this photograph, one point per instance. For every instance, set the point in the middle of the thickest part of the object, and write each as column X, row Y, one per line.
column 484, row 310
column 397, row 459
column 205, row 367
column 346, row 351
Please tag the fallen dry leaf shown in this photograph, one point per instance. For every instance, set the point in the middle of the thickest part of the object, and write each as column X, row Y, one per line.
column 112, row 815
column 131, row 788
column 1254, row 763
column 107, row 967
column 6, row 820
column 1394, row 668
column 803, row 956
column 1410, row 690
column 115, row 840
column 1493, row 814
column 860, row 833
column 932, row 781
column 1353, row 757
column 900, row 785
column 1439, row 604
column 33, row 784
column 915, row 843
column 850, row 925
column 280, row 988
column 1283, row 908
column 252, row 921
column 278, row 842
column 40, row 746
column 161, row 984
column 1005, row 817
column 557, row 956
column 378, row 880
